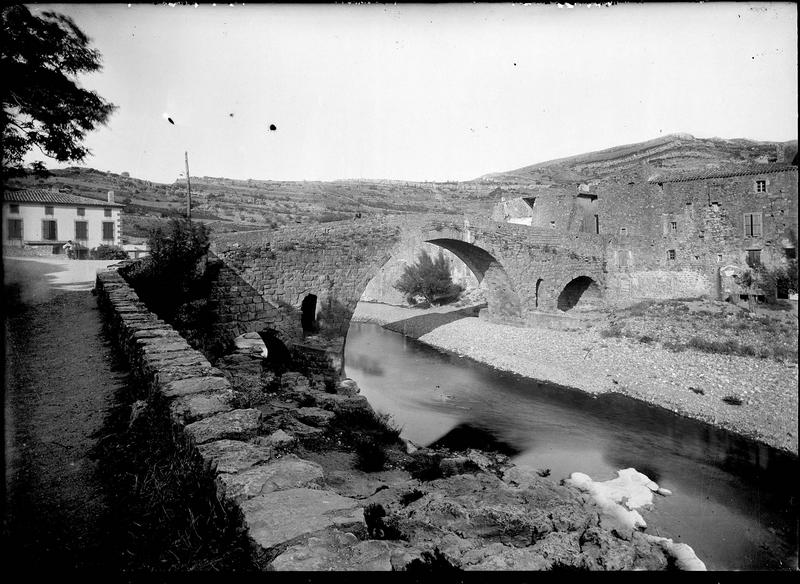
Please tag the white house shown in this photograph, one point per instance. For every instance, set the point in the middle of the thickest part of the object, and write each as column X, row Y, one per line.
column 45, row 220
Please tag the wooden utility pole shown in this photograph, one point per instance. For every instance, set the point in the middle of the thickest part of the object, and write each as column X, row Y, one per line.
column 188, row 190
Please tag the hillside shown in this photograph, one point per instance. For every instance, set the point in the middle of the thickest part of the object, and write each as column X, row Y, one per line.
column 668, row 154
column 238, row 205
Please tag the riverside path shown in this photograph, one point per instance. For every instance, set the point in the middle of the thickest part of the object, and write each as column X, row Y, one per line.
column 60, row 380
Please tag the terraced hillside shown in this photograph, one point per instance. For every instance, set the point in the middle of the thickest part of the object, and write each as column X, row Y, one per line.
column 239, row 205
column 668, row 154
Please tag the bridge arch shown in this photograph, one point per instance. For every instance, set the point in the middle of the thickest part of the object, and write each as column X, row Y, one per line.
column 580, row 292
column 501, row 296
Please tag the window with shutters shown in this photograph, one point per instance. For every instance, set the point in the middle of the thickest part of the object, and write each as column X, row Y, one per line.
column 13, row 209
column 761, row 186
column 106, row 212
column 49, row 230
column 673, row 226
column 81, row 211
column 81, row 230
column 670, row 254
column 753, row 257
column 48, row 210
column 108, row 231
column 15, row 229
column 752, row 224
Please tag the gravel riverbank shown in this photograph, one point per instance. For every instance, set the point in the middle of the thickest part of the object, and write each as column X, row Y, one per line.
column 690, row 383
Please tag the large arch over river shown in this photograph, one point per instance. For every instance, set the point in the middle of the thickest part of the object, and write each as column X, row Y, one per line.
column 265, row 277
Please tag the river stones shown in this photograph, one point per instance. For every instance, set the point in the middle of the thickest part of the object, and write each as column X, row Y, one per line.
column 285, row 473
column 282, row 516
column 604, row 551
column 232, row 456
column 234, row 425
column 193, row 385
column 314, row 416
column 190, row 408
column 347, row 387
column 339, row 551
column 278, row 438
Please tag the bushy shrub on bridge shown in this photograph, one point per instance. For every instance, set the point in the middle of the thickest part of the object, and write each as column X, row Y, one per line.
column 429, row 278
column 109, row 252
column 172, row 280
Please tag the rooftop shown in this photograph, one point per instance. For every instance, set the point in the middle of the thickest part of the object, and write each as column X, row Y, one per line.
column 42, row 196
column 723, row 173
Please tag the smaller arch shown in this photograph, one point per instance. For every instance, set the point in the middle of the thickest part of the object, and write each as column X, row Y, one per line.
column 536, row 299
column 308, row 315
column 279, row 357
column 581, row 292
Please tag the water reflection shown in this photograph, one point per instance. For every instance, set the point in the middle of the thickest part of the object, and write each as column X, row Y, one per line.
column 732, row 501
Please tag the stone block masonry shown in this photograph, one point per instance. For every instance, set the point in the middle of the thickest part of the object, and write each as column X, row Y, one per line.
column 266, row 278
column 280, row 499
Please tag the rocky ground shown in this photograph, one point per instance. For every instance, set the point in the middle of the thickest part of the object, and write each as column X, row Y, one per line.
column 325, row 484
column 750, row 395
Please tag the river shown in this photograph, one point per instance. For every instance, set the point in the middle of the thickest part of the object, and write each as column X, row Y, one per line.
column 734, row 501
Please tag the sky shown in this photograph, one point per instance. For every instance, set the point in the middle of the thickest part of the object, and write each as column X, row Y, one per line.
column 425, row 92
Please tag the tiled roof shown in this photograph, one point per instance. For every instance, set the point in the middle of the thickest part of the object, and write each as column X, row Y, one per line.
column 43, row 196
column 723, row 173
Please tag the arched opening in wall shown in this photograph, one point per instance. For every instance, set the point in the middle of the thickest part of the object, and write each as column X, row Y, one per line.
column 538, row 284
column 490, row 286
column 278, row 358
column 582, row 293
column 308, row 315
column 501, row 297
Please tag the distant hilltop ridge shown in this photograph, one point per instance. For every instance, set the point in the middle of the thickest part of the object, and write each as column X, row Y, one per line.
column 664, row 155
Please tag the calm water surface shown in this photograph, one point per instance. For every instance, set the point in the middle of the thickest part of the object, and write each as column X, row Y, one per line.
column 734, row 502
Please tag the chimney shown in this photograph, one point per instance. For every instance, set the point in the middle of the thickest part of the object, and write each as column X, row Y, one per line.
column 110, row 196
column 780, row 153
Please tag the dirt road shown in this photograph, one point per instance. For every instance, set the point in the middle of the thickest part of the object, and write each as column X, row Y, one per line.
column 60, row 380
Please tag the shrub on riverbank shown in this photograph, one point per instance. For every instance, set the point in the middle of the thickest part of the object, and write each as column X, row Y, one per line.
column 709, row 327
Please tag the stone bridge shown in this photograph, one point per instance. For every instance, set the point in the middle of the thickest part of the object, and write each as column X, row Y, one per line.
column 302, row 279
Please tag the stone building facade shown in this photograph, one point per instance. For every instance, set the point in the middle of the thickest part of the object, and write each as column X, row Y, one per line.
column 40, row 222
column 670, row 236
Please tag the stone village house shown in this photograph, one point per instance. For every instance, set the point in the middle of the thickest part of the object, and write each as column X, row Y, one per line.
column 673, row 235
column 40, row 222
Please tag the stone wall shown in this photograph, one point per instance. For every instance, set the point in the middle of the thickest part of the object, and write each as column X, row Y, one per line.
column 668, row 238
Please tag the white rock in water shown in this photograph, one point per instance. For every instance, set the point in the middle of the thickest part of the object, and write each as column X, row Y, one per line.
column 664, row 492
column 411, row 448
column 619, row 498
column 685, row 558
column 631, row 487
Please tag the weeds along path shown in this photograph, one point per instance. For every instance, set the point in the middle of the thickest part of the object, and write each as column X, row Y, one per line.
column 61, row 378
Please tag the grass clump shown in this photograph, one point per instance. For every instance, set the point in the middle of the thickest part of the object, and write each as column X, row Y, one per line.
column 733, row 400
column 611, row 332
column 426, row 466
column 167, row 513
column 371, row 456
column 378, row 525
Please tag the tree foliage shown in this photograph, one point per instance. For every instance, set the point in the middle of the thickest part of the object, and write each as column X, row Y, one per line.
column 428, row 277
column 173, row 274
column 43, row 105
